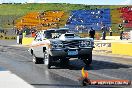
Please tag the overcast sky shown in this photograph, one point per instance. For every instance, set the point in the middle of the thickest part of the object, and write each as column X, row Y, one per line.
column 89, row 2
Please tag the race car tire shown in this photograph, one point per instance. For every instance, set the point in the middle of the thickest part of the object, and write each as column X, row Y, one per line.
column 47, row 59
column 87, row 59
column 64, row 62
column 37, row 60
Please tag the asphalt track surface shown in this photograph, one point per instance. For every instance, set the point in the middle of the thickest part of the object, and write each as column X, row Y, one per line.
column 19, row 61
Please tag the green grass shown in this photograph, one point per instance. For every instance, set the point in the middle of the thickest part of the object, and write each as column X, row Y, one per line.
column 10, row 12
column 22, row 9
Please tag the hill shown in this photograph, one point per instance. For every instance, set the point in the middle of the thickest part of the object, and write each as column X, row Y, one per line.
column 11, row 12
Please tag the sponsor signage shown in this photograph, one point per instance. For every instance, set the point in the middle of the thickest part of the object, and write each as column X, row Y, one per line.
column 102, row 44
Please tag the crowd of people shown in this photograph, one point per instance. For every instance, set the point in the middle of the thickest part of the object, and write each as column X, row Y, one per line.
column 91, row 31
column 32, row 32
column 24, row 33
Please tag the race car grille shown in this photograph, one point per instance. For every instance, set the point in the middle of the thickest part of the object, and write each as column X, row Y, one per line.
column 71, row 44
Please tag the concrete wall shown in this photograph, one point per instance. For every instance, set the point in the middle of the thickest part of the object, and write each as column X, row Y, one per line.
column 116, row 47
column 102, row 47
column 122, row 48
column 6, row 37
column 131, row 34
column 27, row 40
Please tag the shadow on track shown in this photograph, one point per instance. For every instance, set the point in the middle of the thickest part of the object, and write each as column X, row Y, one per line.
column 96, row 65
column 74, row 86
column 57, row 85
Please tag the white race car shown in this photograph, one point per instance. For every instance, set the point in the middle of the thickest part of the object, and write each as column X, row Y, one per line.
column 52, row 45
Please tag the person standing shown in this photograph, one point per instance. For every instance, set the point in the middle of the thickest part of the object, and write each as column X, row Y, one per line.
column 17, row 33
column 33, row 33
column 121, row 29
column 110, row 31
column 24, row 34
column 20, row 37
column 104, row 29
column 92, row 33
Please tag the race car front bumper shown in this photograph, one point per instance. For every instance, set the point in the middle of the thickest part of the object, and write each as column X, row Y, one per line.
column 70, row 52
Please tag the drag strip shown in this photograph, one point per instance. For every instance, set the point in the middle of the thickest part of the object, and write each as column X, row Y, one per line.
column 19, row 61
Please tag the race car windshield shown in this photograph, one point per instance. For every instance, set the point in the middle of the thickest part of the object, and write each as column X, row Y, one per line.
column 54, row 33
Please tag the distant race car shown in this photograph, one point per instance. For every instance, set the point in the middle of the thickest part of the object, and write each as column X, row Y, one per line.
column 50, row 46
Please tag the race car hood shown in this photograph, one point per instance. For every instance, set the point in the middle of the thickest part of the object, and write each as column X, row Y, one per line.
column 71, row 36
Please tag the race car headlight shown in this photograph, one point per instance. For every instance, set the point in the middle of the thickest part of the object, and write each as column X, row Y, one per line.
column 84, row 43
column 57, row 45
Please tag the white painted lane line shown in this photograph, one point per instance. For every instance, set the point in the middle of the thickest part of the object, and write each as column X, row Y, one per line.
column 10, row 80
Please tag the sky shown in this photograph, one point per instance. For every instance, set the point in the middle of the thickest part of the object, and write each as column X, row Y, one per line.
column 88, row 2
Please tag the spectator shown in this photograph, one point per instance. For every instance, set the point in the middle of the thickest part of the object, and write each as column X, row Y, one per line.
column 104, row 29
column 20, row 37
column 5, row 32
column 121, row 29
column 92, row 33
column 17, row 32
column 110, row 31
column 1, row 31
column 33, row 34
column 24, row 34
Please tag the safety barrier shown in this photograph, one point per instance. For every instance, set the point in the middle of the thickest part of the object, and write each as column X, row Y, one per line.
column 6, row 37
column 102, row 46
column 112, row 37
column 27, row 40
column 122, row 48
column 110, row 46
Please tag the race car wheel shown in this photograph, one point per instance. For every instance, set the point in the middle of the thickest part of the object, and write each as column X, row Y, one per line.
column 47, row 59
column 37, row 60
column 64, row 62
column 87, row 59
